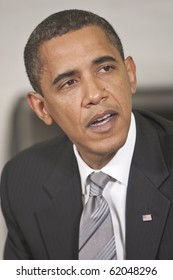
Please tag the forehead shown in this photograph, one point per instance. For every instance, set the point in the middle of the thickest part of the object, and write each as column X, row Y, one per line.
column 87, row 41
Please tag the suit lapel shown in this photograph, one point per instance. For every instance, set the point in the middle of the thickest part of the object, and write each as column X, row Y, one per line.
column 148, row 176
column 60, row 208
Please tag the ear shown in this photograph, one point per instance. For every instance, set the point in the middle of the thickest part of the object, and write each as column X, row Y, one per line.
column 37, row 103
column 131, row 71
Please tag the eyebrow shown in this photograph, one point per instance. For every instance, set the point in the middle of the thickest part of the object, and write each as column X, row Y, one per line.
column 71, row 73
column 103, row 59
column 64, row 75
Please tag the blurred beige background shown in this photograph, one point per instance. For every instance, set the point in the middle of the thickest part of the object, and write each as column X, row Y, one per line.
column 145, row 27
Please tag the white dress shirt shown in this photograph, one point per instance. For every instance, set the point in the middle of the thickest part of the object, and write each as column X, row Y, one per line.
column 114, row 192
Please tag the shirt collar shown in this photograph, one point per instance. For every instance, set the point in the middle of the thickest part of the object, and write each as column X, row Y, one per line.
column 119, row 166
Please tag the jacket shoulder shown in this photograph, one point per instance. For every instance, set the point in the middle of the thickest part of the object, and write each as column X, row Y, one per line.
column 162, row 125
column 156, row 128
column 37, row 159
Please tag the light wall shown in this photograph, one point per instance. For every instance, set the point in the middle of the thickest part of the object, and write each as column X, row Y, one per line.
column 145, row 27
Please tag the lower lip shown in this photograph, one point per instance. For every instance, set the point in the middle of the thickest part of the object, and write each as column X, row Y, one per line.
column 104, row 126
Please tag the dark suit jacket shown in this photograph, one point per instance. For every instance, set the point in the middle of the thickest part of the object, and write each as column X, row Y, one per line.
column 41, row 197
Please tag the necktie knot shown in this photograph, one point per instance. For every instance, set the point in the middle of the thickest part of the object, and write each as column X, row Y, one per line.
column 98, row 180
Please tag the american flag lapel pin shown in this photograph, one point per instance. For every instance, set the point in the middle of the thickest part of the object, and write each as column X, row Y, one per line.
column 147, row 218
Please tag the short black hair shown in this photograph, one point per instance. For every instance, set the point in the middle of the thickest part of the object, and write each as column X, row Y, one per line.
column 56, row 25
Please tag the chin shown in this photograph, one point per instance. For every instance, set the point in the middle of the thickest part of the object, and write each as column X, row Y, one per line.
column 114, row 143
column 108, row 150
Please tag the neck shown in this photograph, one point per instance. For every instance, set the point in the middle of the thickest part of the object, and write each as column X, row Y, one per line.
column 97, row 162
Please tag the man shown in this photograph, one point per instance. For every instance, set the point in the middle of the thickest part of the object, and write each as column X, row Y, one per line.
column 75, row 62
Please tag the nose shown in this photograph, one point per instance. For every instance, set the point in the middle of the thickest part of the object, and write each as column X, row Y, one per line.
column 94, row 92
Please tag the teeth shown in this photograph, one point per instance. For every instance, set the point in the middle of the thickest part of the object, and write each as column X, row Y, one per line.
column 106, row 116
column 101, row 121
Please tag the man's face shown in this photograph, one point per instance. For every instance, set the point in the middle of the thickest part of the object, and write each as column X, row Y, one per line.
column 87, row 91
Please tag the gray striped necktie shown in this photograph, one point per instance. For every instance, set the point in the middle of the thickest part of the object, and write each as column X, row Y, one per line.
column 96, row 240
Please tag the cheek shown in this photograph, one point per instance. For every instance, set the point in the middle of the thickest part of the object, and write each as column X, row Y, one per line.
column 65, row 114
column 121, row 92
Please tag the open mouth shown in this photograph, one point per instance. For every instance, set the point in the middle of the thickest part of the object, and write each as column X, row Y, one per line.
column 101, row 120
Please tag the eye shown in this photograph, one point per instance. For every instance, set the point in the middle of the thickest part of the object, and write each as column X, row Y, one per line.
column 68, row 83
column 106, row 68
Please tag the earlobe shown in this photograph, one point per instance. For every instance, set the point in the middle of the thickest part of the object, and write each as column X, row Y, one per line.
column 37, row 103
column 131, row 71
